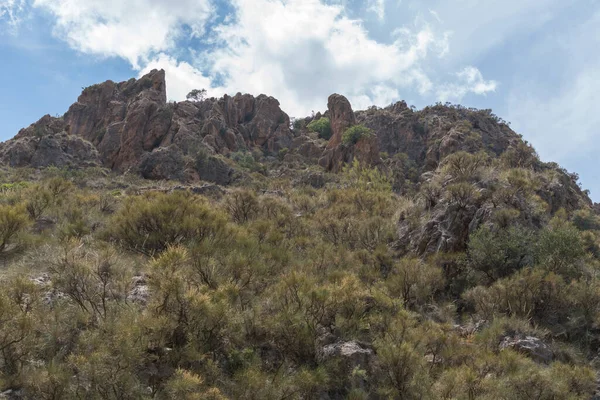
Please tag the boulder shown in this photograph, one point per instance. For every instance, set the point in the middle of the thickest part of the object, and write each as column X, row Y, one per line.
column 214, row 169
column 130, row 126
column 531, row 346
column 140, row 292
column 163, row 163
column 59, row 150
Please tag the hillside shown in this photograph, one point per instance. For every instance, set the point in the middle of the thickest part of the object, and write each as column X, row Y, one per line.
column 217, row 249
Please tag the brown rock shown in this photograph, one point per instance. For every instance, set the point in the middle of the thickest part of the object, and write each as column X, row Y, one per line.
column 341, row 117
column 60, row 150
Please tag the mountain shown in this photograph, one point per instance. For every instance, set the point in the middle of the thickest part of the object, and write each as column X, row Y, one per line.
column 218, row 249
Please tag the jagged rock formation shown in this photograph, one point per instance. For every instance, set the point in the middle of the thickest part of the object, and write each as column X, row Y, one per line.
column 130, row 126
column 341, row 116
column 366, row 150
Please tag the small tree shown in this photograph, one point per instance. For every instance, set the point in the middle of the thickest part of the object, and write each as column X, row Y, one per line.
column 354, row 134
column 321, row 126
column 196, row 95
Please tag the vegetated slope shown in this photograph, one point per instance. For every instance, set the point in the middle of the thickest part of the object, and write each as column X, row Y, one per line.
column 386, row 253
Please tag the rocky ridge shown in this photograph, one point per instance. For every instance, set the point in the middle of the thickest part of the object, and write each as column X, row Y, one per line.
column 130, row 126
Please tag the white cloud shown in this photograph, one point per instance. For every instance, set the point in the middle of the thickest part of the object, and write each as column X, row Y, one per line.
column 181, row 76
column 377, row 7
column 470, row 80
column 300, row 51
column 131, row 29
column 11, row 12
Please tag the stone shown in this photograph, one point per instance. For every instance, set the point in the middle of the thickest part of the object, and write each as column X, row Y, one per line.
column 59, row 150
column 214, row 169
column 530, row 346
column 341, row 117
column 140, row 293
column 163, row 163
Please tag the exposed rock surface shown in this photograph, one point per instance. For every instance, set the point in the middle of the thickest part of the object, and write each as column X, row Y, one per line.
column 341, row 116
column 366, row 150
column 130, row 126
column 140, row 293
column 59, row 150
column 531, row 346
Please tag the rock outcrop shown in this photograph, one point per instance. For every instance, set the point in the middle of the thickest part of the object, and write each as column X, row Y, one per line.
column 341, row 117
column 60, row 150
column 530, row 346
column 130, row 126
column 337, row 153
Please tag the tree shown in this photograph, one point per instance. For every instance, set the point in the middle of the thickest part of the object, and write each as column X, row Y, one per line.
column 321, row 126
column 196, row 95
column 354, row 134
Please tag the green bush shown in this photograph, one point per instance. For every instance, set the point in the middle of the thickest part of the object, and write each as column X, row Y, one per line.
column 13, row 220
column 495, row 254
column 321, row 126
column 353, row 134
column 152, row 222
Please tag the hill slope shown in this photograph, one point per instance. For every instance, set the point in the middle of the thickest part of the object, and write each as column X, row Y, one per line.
column 215, row 249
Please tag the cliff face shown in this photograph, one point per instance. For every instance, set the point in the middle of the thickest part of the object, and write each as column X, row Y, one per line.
column 128, row 125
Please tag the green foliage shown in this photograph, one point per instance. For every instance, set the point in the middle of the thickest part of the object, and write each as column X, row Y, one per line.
column 464, row 166
column 365, row 178
column 461, row 194
column 152, row 222
column 13, row 220
column 560, row 248
column 247, row 161
column 39, row 200
column 353, row 134
column 399, row 281
column 498, row 253
column 321, row 126
column 196, row 95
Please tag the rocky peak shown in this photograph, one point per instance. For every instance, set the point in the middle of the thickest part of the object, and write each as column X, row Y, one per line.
column 341, row 117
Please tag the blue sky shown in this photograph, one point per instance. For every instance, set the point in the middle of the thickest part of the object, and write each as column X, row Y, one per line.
column 536, row 63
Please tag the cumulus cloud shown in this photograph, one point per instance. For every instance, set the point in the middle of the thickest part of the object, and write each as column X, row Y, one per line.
column 300, row 51
column 11, row 12
column 470, row 80
column 377, row 7
column 182, row 77
column 132, row 29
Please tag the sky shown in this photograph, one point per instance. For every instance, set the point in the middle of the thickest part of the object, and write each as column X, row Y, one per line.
column 535, row 63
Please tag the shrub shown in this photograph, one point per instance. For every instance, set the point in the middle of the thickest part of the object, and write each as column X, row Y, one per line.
column 461, row 194
column 13, row 221
column 365, row 178
column 354, row 134
column 496, row 254
column 39, row 200
column 463, row 165
column 152, row 222
column 242, row 205
column 321, row 126
column 246, row 160
column 414, row 281
column 560, row 248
